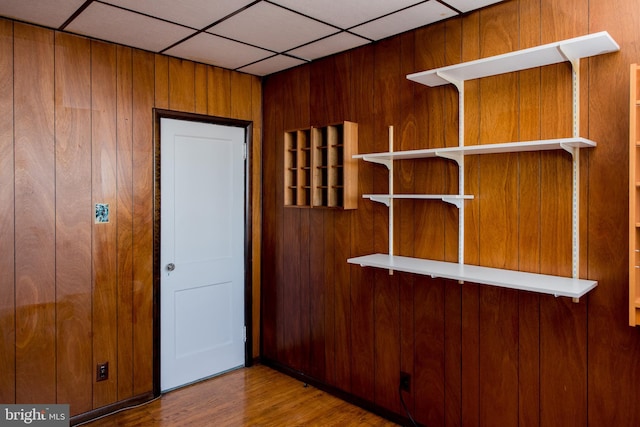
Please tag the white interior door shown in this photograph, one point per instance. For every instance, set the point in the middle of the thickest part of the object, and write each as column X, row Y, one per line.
column 202, row 251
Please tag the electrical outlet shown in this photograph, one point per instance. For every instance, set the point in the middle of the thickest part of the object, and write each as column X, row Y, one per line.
column 102, row 371
column 405, row 381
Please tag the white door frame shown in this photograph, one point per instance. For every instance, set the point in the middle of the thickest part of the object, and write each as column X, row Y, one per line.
column 248, row 210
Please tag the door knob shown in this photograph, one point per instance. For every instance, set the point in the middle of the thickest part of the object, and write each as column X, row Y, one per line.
column 171, row 266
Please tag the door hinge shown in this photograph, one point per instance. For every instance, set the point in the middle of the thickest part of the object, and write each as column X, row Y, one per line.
column 244, row 333
column 245, row 151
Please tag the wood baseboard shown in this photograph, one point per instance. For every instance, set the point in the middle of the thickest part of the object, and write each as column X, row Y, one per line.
column 109, row 409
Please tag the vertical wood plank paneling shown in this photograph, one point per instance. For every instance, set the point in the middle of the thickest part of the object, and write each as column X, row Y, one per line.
column 429, row 175
column 613, row 347
column 256, row 201
column 302, row 118
column 498, row 224
column 429, row 345
column 103, row 153
column 320, row 80
column 304, row 341
column 34, row 214
column 451, row 101
column 7, row 218
column 268, row 307
column 181, row 85
column 339, row 84
column 161, row 88
column 124, row 184
column 406, row 238
column 362, row 317
column 73, row 222
column 453, row 290
column 330, row 299
column 142, row 164
column 218, row 92
column 429, row 241
column 241, row 96
column 322, row 332
column 294, row 118
column 529, row 223
column 470, row 292
column 280, row 243
column 318, row 292
column 386, row 293
column 291, row 284
column 563, row 326
column 200, row 90
column 269, row 292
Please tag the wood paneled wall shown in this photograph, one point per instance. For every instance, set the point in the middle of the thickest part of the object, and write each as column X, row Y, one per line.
column 478, row 355
column 76, row 128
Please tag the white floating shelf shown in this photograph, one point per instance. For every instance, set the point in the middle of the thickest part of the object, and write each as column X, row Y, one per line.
column 552, row 53
column 454, row 199
column 452, row 152
column 540, row 283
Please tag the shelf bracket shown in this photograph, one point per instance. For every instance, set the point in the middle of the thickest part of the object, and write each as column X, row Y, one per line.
column 569, row 149
column 457, row 202
column 459, row 84
column 386, row 200
column 386, row 162
column 455, row 156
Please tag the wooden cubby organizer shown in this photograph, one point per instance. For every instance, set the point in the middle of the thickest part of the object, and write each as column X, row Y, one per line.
column 297, row 175
column 571, row 50
column 319, row 167
column 634, row 197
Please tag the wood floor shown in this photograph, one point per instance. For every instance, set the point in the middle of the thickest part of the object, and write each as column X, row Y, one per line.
column 255, row 396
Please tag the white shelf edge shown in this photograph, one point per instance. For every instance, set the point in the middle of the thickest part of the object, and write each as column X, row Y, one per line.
column 558, row 286
column 552, row 53
column 454, row 199
column 506, row 147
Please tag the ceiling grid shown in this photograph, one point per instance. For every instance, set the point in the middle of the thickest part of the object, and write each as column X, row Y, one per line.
column 258, row 37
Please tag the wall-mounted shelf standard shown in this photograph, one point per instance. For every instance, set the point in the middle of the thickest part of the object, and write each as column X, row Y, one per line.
column 634, row 196
column 571, row 50
column 541, row 283
column 319, row 167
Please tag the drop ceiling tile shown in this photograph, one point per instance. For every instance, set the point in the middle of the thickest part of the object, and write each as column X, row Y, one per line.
column 467, row 5
column 346, row 14
column 42, row 12
column 128, row 28
column 271, row 65
column 219, row 51
column 271, row 27
column 327, row 46
column 405, row 20
column 193, row 13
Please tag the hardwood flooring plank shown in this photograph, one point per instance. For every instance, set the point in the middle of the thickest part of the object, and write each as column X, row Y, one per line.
column 256, row 396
